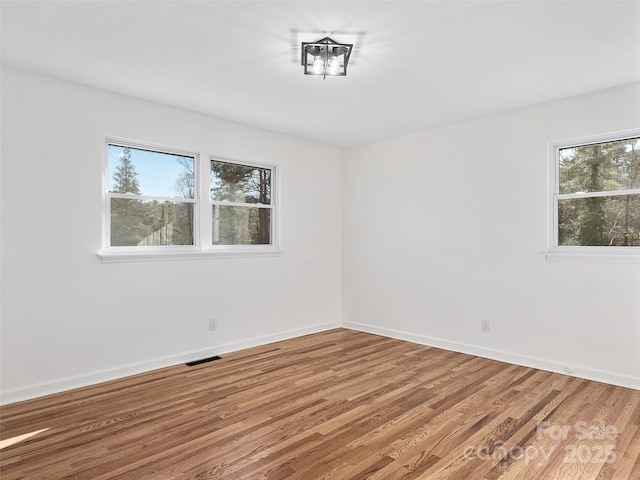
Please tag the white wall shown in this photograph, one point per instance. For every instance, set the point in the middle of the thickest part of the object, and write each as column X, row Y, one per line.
column 69, row 320
column 440, row 229
column 446, row 227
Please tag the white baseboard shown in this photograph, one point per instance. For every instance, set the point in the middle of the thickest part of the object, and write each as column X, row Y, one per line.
column 587, row 373
column 92, row 378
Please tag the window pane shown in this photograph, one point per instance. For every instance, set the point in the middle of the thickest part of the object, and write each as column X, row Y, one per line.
column 240, row 183
column 151, row 223
column 241, row 225
column 144, row 172
column 601, row 167
column 599, row 221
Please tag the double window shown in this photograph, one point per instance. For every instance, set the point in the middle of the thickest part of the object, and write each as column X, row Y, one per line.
column 596, row 194
column 153, row 202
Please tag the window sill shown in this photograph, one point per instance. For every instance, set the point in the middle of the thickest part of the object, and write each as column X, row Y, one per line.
column 122, row 257
column 633, row 258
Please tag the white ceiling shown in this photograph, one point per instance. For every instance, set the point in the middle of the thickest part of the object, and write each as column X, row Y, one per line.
column 415, row 65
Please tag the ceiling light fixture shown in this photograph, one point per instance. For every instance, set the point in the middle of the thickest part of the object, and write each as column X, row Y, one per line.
column 325, row 57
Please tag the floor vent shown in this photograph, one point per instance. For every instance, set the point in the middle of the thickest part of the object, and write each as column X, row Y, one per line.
column 204, row 360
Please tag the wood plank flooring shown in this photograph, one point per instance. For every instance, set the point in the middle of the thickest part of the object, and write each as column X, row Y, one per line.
column 334, row 405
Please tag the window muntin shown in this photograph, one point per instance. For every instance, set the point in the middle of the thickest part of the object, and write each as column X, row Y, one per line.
column 241, row 203
column 151, row 200
column 596, row 195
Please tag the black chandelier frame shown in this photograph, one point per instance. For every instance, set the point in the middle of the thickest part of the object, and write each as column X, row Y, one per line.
column 318, row 57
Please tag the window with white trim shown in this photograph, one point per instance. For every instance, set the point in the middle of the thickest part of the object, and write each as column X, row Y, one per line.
column 596, row 194
column 152, row 202
column 241, row 204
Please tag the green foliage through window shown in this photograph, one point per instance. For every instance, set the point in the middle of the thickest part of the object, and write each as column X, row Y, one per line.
column 241, row 204
column 156, row 201
column 151, row 198
column 599, row 194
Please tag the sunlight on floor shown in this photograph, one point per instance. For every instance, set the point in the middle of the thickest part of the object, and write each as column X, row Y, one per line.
column 13, row 440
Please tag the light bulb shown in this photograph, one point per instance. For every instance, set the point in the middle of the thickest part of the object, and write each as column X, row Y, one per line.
column 334, row 65
column 318, row 65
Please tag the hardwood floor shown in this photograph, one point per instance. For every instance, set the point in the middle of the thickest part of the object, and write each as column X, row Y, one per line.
column 335, row 405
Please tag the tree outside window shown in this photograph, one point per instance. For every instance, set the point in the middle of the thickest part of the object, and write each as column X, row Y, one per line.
column 151, row 198
column 598, row 194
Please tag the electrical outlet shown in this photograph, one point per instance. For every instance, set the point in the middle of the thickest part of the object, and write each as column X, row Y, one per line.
column 485, row 326
column 213, row 324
